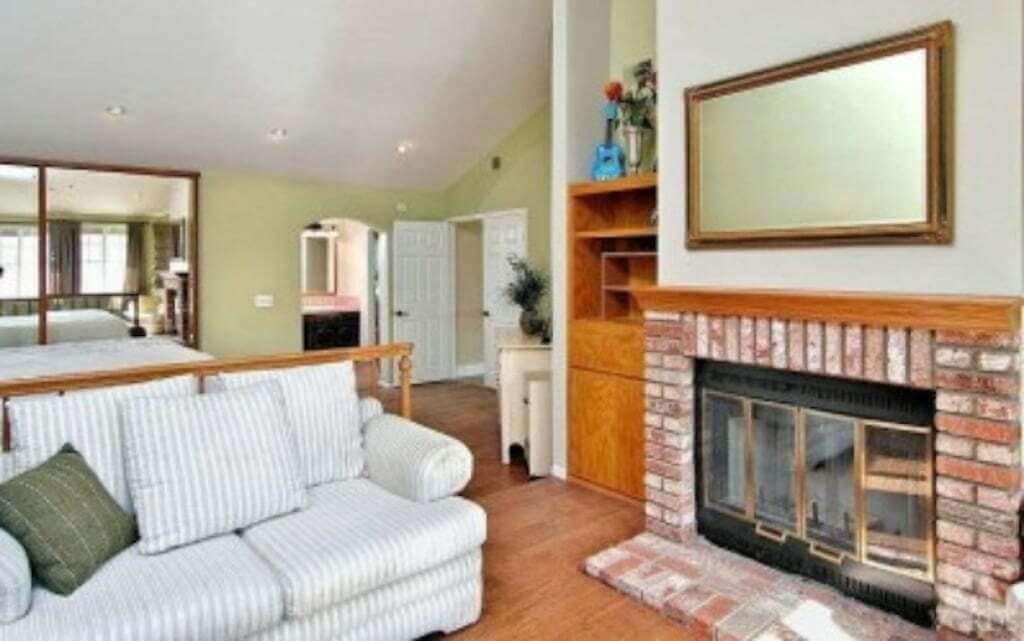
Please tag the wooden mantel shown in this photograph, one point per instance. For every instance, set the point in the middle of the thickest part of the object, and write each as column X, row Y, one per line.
column 947, row 312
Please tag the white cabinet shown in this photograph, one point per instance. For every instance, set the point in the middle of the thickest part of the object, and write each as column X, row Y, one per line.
column 526, row 418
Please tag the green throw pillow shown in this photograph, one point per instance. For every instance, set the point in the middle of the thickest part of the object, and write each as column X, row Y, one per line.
column 65, row 519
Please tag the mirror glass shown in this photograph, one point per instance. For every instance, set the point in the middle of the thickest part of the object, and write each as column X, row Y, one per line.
column 118, row 256
column 318, row 262
column 844, row 147
column 19, row 256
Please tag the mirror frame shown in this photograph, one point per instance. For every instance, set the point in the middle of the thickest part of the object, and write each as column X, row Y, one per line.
column 936, row 41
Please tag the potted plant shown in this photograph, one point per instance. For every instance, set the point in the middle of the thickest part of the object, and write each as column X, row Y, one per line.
column 526, row 290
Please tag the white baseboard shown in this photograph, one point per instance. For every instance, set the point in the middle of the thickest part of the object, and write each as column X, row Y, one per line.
column 558, row 471
column 468, row 371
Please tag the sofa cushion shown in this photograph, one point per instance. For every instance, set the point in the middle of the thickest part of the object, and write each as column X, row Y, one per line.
column 323, row 410
column 216, row 590
column 356, row 536
column 210, row 464
column 15, row 579
column 66, row 522
column 89, row 420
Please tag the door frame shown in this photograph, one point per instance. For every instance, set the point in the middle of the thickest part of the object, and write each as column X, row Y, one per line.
column 523, row 213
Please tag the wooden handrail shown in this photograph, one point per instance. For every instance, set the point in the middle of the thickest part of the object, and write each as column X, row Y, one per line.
column 12, row 388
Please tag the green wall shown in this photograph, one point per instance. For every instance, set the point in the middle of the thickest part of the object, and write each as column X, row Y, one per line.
column 524, row 180
column 249, row 244
column 633, row 36
column 250, row 225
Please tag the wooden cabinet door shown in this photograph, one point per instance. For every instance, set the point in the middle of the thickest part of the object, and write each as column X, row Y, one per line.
column 606, row 430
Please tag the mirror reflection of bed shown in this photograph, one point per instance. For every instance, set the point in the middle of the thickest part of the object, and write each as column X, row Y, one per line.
column 89, row 255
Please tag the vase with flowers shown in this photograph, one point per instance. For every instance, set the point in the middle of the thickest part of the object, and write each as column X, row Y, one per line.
column 638, row 108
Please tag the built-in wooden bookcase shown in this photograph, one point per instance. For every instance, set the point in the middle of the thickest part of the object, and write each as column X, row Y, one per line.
column 613, row 244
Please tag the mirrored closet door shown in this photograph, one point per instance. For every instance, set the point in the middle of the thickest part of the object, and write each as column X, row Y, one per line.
column 96, row 253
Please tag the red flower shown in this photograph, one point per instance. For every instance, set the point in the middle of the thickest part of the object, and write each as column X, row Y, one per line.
column 613, row 91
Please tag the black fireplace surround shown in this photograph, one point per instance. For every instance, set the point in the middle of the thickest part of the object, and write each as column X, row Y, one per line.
column 906, row 596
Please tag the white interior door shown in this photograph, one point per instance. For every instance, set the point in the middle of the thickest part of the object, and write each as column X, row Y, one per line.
column 504, row 236
column 423, row 297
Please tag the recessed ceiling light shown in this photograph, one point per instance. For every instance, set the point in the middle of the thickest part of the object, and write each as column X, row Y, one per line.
column 404, row 147
column 116, row 111
column 277, row 134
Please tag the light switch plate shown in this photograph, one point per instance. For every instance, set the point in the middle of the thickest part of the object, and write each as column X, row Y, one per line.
column 263, row 300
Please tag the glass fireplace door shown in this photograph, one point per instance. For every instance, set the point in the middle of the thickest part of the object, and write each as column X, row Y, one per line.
column 726, row 453
column 774, row 455
column 830, row 477
column 897, row 498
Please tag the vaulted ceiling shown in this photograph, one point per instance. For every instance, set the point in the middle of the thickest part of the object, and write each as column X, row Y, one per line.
column 203, row 83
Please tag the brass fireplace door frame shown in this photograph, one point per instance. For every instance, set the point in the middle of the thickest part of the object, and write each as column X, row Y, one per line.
column 780, row 535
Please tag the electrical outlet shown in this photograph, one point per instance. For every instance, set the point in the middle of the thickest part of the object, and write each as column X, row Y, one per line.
column 263, row 300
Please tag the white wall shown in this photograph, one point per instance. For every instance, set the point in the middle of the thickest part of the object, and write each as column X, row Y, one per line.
column 700, row 41
column 580, row 43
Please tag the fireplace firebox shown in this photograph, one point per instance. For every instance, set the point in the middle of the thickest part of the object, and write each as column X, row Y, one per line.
column 824, row 477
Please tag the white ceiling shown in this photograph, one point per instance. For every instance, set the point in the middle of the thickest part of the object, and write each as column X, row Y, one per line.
column 204, row 82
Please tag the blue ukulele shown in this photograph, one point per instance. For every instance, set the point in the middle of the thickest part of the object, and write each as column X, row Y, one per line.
column 608, row 157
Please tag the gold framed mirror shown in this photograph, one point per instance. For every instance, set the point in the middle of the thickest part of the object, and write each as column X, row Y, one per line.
column 842, row 148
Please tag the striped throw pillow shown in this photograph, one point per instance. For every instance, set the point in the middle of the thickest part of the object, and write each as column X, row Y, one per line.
column 207, row 465
column 90, row 421
column 323, row 410
column 68, row 524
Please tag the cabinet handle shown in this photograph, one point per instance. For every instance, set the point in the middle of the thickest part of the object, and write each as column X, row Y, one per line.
column 399, row 312
column 485, row 314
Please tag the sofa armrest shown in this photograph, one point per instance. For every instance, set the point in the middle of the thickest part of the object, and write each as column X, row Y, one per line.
column 413, row 461
column 369, row 408
column 15, row 579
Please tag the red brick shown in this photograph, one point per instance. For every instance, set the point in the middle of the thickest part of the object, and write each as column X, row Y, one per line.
column 1003, row 546
column 688, row 335
column 955, row 533
column 979, row 562
column 953, row 489
column 976, row 339
column 853, row 351
column 954, row 402
column 921, row 358
column 958, row 357
column 992, row 475
column 979, row 428
column 992, row 588
column 999, row 499
column 985, row 383
column 708, row 615
column 659, row 329
column 997, row 362
column 997, row 408
column 716, row 337
column 617, row 569
column 954, row 624
column 954, row 445
column 998, row 454
column 874, row 353
column 955, row 576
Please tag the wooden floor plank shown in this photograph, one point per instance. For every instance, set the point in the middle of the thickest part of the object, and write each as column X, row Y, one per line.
column 539, row 533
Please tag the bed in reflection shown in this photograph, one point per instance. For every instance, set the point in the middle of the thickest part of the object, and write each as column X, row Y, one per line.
column 93, row 356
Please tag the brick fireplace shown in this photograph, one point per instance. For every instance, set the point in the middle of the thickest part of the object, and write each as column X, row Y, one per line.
column 969, row 356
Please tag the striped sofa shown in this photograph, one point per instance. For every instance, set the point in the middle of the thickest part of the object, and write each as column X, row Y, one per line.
column 393, row 554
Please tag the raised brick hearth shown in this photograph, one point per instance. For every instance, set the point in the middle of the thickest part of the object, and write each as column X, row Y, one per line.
column 976, row 375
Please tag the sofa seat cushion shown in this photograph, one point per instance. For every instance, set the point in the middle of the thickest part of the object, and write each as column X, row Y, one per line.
column 217, row 589
column 355, row 537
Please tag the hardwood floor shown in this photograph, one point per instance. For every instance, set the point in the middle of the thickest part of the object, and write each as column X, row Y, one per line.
column 539, row 532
